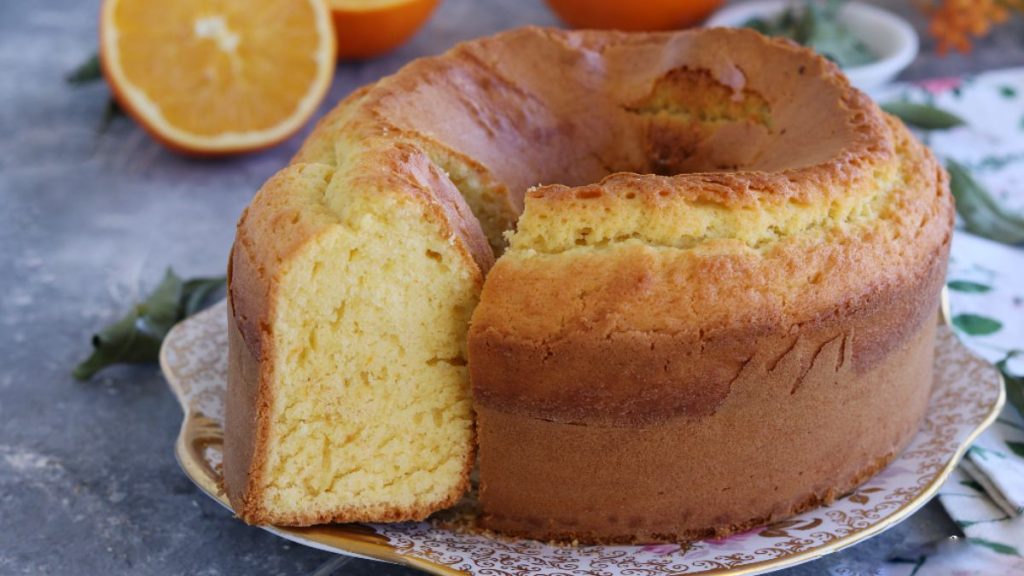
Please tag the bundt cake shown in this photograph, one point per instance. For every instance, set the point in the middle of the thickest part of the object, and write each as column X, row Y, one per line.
column 715, row 307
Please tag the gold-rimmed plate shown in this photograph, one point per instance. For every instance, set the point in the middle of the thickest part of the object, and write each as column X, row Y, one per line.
column 968, row 395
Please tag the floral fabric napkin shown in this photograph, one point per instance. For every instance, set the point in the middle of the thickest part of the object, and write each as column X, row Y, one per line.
column 985, row 496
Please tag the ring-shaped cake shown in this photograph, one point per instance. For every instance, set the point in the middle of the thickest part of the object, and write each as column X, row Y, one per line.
column 712, row 307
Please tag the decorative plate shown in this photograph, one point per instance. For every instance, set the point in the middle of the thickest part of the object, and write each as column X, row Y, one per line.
column 967, row 397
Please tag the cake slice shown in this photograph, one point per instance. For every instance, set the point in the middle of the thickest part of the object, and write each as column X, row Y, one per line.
column 350, row 292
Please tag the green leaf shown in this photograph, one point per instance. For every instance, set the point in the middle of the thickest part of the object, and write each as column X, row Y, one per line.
column 997, row 162
column 899, row 560
column 86, row 73
column 160, row 311
column 995, row 546
column 834, row 41
column 119, row 342
column 817, row 26
column 923, row 116
column 917, row 562
column 968, row 286
column 1014, row 383
column 111, row 112
column 981, row 213
column 759, row 24
column 984, row 453
column 136, row 338
column 196, row 293
column 1016, row 447
column 973, row 485
column 976, row 325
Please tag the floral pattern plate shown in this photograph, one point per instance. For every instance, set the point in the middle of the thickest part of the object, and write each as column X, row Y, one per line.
column 967, row 397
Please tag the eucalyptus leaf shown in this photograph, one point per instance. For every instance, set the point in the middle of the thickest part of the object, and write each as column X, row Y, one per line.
column 973, row 485
column 160, row 311
column 997, row 547
column 87, row 72
column 136, row 338
column 816, row 25
column 759, row 24
column 1014, row 382
column 111, row 112
column 976, row 324
column 91, row 71
column 833, row 40
column 1016, row 447
column 197, row 292
column 968, row 286
column 121, row 342
column 981, row 213
column 923, row 116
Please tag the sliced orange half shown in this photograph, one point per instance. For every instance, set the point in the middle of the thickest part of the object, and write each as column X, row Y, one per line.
column 371, row 27
column 218, row 76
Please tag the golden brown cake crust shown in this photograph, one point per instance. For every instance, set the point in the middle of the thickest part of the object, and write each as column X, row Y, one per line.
column 635, row 330
column 798, row 426
column 594, row 373
column 252, row 268
column 653, row 379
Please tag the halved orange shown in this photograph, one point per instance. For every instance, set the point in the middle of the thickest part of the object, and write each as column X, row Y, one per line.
column 372, row 27
column 213, row 77
column 622, row 15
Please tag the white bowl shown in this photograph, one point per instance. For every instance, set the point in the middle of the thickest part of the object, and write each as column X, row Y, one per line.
column 891, row 39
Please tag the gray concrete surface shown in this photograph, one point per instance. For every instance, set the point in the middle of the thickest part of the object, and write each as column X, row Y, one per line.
column 88, row 221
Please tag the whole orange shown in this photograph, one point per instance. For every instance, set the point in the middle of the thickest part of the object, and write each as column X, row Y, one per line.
column 367, row 28
column 641, row 15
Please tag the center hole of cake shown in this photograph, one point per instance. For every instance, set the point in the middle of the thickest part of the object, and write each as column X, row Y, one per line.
column 693, row 122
